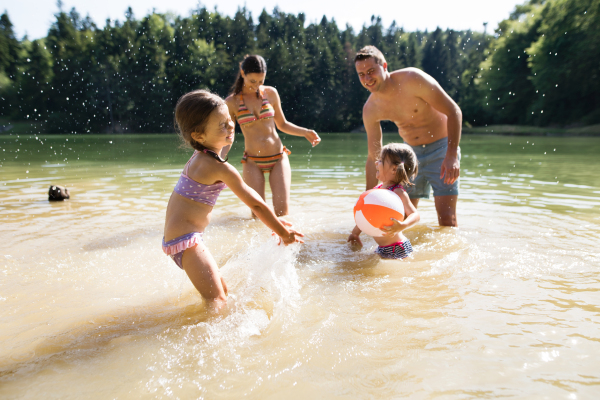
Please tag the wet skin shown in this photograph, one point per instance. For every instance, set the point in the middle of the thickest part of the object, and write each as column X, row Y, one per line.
column 423, row 113
column 261, row 139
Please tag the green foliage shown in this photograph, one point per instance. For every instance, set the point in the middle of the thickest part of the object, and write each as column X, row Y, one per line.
column 565, row 63
column 544, row 65
column 10, row 50
column 128, row 75
column 436, row 59
column 505, row 82
column 474, row 112
column 9, row 47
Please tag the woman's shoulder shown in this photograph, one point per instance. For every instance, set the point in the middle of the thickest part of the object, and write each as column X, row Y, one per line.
column 232, row 103
column 232, row 99
column 269, row 91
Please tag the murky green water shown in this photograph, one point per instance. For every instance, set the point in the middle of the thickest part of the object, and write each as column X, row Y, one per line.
column 506, row 305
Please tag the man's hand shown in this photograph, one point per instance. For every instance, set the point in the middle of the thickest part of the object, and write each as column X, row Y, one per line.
column 450, row 170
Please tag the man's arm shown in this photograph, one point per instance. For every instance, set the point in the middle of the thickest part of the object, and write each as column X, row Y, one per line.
column 431, row 92
column 374, row 144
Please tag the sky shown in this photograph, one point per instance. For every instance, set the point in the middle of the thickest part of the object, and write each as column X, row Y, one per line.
column 34, row 17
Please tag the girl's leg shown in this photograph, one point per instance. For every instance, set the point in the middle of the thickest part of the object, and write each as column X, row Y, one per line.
column 201, row 268
column 280, row 180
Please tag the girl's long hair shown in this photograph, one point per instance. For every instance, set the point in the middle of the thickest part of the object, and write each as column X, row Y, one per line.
column 191, row 115
column 250, row 64
column 404, row 158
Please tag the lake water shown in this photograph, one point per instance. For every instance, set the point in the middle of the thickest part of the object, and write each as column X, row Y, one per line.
column 508, row 305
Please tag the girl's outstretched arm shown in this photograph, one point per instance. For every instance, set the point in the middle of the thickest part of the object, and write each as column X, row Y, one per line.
column 245, row 193
column 354, row 237
column 412, row 216
column 284, row 125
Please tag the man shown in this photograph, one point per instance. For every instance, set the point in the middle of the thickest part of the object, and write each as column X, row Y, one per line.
column 427, row 119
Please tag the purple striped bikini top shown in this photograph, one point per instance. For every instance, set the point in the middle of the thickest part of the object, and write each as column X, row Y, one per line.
column 392, row 188
column 196, row 191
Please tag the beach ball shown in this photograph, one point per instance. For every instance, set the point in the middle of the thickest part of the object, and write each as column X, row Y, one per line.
column 374, row 209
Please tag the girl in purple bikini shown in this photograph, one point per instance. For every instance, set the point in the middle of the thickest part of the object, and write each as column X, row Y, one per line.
column 204, row 123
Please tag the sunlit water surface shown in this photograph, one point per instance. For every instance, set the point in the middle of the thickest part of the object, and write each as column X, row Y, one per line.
column 505, row 306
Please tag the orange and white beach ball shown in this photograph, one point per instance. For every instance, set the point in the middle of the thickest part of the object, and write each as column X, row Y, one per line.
column 374, row 209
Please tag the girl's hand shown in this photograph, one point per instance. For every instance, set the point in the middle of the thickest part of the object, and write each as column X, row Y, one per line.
column 285, row 222
column 354, row 240
column 313, row 137
column 292, row 237
column 391, row 230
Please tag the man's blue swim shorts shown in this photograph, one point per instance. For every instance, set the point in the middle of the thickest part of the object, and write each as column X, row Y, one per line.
column 430, row 157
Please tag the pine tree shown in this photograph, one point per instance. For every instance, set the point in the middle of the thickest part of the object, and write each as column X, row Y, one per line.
column 436, row 59
column 9, row 48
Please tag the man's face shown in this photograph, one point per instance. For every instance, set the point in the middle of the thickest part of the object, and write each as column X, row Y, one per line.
column 371, row 74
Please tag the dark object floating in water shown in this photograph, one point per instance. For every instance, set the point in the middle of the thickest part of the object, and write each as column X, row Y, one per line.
column 58, row 193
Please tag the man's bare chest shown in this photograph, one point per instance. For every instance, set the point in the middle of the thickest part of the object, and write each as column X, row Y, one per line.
column 407, row 111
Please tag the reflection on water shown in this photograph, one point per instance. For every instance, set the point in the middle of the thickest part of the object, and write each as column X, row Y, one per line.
column 507, row 305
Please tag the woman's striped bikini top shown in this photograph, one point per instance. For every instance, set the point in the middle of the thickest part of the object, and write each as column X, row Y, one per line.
column 244, row 116
column 196, row 191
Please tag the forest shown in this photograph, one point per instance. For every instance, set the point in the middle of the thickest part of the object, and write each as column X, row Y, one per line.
column 540, row 67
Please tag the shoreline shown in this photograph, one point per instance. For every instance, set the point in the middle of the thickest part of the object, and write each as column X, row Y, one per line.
column 522, row 130
column 8, row 128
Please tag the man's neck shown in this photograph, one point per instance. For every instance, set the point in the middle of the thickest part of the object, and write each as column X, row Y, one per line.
column 387, row 86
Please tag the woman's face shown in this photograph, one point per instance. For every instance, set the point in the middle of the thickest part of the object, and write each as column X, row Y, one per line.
column 253, row 80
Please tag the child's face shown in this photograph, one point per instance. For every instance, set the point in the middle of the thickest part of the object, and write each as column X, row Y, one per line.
column 384, row 170
column 219, row 131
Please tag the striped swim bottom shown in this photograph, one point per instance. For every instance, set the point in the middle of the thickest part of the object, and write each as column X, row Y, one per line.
column 395, row 250
column 175, row 248
column 265, row 163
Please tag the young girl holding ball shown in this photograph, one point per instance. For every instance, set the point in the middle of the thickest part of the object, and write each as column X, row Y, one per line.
column 396, row 166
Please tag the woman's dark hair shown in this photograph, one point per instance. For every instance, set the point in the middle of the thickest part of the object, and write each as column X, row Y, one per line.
column 250, row 65
column 404, row 158
column 191, row 115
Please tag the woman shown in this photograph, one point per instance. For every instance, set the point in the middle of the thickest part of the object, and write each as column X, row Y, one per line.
column 257, row 109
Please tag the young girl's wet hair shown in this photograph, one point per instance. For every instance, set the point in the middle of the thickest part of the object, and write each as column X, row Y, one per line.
column 404, row 158
column 251, row 64
column 191, row 115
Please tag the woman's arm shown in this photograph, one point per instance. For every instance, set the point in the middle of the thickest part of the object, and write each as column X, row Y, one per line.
column 231, row 102
column 283, row 124
column 232, row 106
column 231, row 177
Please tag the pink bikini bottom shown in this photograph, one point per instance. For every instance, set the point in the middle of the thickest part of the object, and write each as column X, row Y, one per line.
column 175, row 248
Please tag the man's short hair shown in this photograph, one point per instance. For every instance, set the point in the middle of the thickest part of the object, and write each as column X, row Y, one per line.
column 370, row 51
